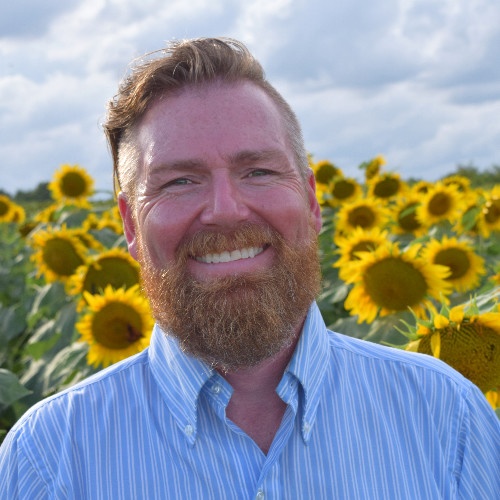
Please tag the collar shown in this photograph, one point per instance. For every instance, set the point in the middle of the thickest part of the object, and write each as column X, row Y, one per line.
column 181, row 377
column 308, row 366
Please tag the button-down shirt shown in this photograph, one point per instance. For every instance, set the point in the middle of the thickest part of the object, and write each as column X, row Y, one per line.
column 362, row 421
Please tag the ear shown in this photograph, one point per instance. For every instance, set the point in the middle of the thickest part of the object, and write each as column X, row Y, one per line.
column 313, row 201
column 126, row 211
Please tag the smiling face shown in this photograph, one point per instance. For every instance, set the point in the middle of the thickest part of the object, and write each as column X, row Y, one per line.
column 218, row 198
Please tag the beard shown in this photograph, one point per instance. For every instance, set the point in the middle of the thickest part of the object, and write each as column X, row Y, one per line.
column 235, row 321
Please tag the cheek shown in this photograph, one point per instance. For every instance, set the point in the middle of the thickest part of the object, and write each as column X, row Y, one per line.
column 291, row 218
column 162, row 231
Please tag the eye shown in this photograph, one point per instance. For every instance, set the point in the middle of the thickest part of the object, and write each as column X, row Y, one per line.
column 181, row 181
column 259, row 172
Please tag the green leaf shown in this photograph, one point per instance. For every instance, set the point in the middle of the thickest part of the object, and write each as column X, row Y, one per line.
column 10, row 388
column 12, row 322
column 63, row 366
column 38, row 349
column 51, row 297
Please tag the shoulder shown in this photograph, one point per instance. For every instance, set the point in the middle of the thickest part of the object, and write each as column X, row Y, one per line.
column 108, row 387
column 391, row 361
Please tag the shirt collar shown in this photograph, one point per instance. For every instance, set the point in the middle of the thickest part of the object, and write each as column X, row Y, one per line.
column 309, row 364
column 181, row 377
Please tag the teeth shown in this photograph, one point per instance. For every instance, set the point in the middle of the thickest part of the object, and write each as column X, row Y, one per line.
column 244, row 253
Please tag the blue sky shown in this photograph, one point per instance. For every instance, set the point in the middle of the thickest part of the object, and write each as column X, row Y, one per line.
column 415, row 80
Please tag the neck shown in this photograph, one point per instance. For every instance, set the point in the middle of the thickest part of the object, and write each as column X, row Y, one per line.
column 255, row 406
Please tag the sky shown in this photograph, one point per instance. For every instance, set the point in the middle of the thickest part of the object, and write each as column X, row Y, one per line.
column 417, row 81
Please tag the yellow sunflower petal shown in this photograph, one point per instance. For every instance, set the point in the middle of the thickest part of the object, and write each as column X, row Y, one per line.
column 441, row 321
column 436, row 344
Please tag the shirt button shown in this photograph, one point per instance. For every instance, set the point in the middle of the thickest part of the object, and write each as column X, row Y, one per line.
column 307, row 427
column 188, row 429
column 216, row 388
column 260, row 495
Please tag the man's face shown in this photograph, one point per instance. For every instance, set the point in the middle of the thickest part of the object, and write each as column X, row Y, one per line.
column 218, row 197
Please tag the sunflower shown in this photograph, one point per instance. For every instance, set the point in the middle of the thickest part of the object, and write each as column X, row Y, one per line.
column 388, row 281
column 86, row 238
column 465, row 265
column 72, row 184
column 114, row 214
column 115, row 268
column 461, row 182
column 48, row 214
column 466, row 340
column 468, row 221
column 350, row 245
column 108, row 222
column 105, row 220
column 366, row 213
column 441, row 203
column 421, row 187
column 342, row 190
column 325, row 172
column 91, row 222
column 19, row 214
column 118, row 325
column 386, row 186
column 493, row 397
column 489, row 218
column 6, row 208
column 405, row 216
column 57, row 253
column 372, row 167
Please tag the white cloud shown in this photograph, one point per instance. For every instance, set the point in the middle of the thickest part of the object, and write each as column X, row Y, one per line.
column 415, row 80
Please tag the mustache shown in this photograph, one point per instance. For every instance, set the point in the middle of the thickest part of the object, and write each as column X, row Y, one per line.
column 217, row 241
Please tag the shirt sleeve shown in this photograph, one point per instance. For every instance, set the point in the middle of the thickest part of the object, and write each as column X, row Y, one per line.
column 19, row 479
column 479, row 442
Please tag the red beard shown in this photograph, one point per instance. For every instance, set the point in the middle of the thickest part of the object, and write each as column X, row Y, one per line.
column 235, row 321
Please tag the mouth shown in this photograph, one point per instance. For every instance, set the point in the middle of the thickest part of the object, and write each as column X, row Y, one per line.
column 216, row 258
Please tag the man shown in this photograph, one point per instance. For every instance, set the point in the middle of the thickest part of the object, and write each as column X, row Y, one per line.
column 243, row 392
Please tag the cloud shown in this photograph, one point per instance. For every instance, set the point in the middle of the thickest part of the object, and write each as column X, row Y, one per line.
column 415, row 80
column 31, row 18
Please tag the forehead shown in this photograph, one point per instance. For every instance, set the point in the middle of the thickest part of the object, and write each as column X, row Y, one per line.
column 194, row 121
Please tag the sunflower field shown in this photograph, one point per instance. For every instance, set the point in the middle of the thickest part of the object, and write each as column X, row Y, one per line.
column 414, row 265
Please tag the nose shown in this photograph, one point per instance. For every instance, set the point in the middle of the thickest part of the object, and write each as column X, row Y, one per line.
column 225, row 203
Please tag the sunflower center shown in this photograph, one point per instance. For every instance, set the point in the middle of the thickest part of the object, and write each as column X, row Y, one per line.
column 73, row 185
column 4, row 208
column 455, row 259
column 343, row 189
column 386, row 188
column 395, row 284
column 325, row 173
column 116, row 326
column 439, row 204
column 110, row 271
column 60, row 256
column 361, row 216
column 473, row 350
column 362, row 246
column 492, row 211
column 407, row 219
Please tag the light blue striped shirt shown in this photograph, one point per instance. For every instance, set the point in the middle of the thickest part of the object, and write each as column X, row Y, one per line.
column 363, row 421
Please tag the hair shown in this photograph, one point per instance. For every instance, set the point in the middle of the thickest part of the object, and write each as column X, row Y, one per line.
column 185, row 63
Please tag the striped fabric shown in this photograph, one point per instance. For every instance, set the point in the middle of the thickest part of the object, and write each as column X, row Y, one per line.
column 363, row 422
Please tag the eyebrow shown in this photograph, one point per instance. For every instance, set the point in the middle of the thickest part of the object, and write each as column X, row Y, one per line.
column 250, row 156
column 245, row 157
